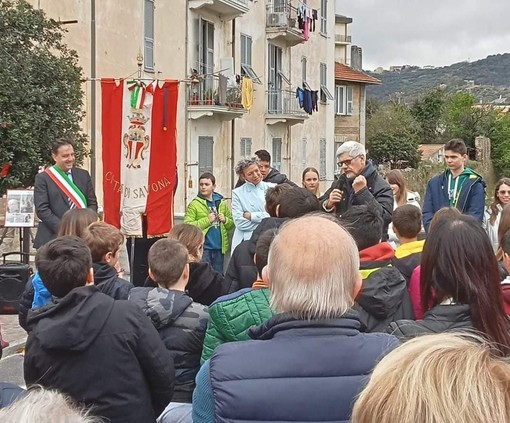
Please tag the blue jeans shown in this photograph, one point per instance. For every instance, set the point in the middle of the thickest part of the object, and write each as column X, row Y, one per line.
column 214, row 258
column 176, row 412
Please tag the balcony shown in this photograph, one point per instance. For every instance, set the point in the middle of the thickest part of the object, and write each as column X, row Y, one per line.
column 225, row 9
column 281, row 24
column 283, row 107
column 206, row 98
column 342, row 39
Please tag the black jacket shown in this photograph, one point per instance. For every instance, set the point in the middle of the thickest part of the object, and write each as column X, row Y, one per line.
column 274, row 177
column 181, row 324
column 241, row 271
column 25, row 304
column 106, row 279
column 441, row 318
column 101, row 352
column 377, row 193
column 205, row 284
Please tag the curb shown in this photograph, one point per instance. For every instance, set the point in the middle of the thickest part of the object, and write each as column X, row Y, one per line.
column 14, row 347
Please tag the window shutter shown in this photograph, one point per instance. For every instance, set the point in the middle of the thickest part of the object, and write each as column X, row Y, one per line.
column 322, row 158
column 277, row 153
column 148, row 32
column 348, row 110
column 205, row 154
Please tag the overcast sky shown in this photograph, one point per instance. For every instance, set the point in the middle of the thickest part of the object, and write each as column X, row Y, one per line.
column 427, row 32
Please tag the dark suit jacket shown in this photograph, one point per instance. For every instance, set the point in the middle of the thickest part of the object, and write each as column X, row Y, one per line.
column 51, row 202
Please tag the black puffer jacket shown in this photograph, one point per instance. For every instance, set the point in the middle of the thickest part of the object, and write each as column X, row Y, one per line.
column 377, row 193
column 101, row 352
column 205, row 284
column 441, row 318
column 25, row 304
column 106, row 279
column 181, row 324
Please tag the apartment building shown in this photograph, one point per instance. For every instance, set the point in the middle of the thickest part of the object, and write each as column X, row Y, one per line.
column 211, row 46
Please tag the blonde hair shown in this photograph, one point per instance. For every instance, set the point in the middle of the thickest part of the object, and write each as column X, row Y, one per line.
column 320, row 285
column 443, row 378
column 191, row 237
column 45, row 406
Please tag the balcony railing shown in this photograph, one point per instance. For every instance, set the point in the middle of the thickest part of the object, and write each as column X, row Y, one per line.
column 208, row 92
column 281, row 102
column 281, row 16
column 343, row 38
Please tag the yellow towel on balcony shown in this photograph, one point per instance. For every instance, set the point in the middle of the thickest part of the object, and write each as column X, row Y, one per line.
column 247, row 93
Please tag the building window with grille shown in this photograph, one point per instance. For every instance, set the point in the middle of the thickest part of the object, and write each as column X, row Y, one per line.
column 343, row 101
column 322, row 158
column 148, row 35
column 324, row 16
column 245, row 147
column 205, row 155
column 246, row 59
column 303, row 153
column 325, row 93
column 277, row 154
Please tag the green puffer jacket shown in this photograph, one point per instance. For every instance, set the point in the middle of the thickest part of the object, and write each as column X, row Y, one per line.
column 232, row 315
column 197, row 215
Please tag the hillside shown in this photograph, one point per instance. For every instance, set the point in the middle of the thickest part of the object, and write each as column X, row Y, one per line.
column 490, row 75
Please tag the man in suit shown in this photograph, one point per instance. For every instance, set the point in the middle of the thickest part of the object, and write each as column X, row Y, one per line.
column 60, row 188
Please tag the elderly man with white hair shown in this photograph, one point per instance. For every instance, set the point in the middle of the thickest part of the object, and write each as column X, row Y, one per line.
column 359, row 184
column 308, row 362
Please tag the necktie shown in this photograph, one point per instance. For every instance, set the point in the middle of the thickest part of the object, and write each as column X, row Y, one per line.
column 69, row 201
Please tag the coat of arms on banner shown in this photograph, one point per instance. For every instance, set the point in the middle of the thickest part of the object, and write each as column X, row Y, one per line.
column 136, row 141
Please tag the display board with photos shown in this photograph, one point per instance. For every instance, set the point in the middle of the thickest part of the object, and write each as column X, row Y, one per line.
column 19, row 208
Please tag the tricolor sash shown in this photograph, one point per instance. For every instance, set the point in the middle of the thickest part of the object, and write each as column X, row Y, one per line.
column 67, row 186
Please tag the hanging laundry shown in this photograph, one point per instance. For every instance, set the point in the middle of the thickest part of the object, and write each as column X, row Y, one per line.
column 300, row 94
column 307, row 101
column 314, row 18
column 306, row 30
column 247, row 93
column 315, row 101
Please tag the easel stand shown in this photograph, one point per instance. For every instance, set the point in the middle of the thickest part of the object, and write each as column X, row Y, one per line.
column 25, row 237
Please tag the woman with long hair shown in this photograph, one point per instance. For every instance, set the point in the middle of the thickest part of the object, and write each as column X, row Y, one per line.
column 460, row 285
column 493, row 214
column 401, row 195
column 205, row 284
column 310, row 180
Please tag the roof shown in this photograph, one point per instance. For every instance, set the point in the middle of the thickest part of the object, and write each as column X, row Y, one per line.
column 346, row 73
column 428, row 150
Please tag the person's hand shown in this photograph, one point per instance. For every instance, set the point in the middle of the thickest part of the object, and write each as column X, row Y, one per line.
column 359, row 183
column 247, row 215
column 221, row 218
column 335, row 196
column 212, row 217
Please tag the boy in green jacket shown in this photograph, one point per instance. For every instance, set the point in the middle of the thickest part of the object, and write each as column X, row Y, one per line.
column 209, row 212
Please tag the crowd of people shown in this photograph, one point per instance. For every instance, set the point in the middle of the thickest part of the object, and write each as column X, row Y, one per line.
column 357, row 304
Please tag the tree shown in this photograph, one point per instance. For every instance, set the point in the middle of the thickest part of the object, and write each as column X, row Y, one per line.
column 427, row 111
column 464, row 119
column 500, row 144
column 40, row 91
column 392, row 135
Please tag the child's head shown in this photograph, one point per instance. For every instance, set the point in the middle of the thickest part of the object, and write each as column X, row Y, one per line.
column 74, row 221
column 206, row 184
column 64, row 264
column 104, row 241
column 168, row 262
column 407, row 221
column 191, row 237
column 365, row 224
column 297, row 202
column 273, row 198
column 262, row 249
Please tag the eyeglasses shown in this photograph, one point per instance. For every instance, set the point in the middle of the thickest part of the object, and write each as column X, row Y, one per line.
column 504, row 192
column 347, row 162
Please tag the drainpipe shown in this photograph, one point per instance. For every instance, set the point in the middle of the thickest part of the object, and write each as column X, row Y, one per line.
column 93, row 90
column 233, row 125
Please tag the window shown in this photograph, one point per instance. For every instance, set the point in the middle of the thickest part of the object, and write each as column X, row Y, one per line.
column 324, row 16
column 325, row 94
column 343, row 100
column 205, row 154
column 303, row 153
column 206, row 54
column 277, row 153
column 246, row 55
column 148, row 35
column 274, row 79
column 303, row 69
column 245, row 147
column 322, row 158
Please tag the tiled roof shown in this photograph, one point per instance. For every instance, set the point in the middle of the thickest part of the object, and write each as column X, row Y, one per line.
column 428, row 150
column 345, row 73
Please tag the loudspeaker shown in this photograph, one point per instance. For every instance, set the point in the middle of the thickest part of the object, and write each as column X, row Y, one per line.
column 13, row 278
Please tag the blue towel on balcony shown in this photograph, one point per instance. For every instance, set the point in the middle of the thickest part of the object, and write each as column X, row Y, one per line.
column 307, row 101
column 300, row 96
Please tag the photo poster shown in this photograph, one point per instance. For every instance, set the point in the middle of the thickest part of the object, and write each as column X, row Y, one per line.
column 19, row 208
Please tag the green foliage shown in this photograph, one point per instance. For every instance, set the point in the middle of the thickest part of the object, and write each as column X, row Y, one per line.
column 40, row 91
column 500, row 145
column 463, row 120
column 391, row 135
column 427, row 112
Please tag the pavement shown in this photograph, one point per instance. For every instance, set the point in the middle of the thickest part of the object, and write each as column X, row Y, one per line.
column 11, row 364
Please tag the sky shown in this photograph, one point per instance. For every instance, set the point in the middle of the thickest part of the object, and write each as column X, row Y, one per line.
column 427, row 32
